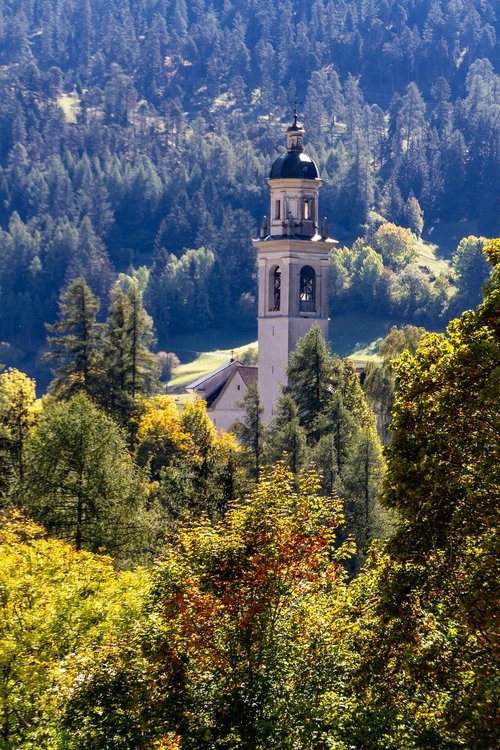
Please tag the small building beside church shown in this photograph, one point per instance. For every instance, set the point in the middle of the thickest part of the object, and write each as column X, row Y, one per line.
column 293, row 261
column 223, row 390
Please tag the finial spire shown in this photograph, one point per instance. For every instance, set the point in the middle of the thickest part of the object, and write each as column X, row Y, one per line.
column 295, row 132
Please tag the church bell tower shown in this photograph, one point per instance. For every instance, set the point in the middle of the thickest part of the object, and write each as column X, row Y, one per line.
column 293, row 260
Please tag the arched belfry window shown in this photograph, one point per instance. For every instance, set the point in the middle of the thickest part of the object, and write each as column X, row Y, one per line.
column 308, row 209
column 275, row 289
column 307, row 300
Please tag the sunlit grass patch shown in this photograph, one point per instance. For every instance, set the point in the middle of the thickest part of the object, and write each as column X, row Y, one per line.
column 70, row 105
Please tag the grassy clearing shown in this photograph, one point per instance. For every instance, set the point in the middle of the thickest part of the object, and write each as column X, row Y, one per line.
column 70, row 105
column 204, row 363
column 357, row 336
column 428, row 256
column 353, row 335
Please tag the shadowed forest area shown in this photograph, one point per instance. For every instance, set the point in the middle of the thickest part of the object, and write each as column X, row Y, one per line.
column 138, row 135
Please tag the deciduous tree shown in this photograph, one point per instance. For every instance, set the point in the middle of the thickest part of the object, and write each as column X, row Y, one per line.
column 436, row 614
column 242, row 602
column 396, row 244
column 17, row 416
column 56, row 603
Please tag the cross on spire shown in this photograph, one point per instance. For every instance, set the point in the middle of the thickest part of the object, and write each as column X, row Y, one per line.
column 295, row 115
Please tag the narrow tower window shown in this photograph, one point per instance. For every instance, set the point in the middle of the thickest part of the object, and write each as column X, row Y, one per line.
column 307, row 290
column 275, row 295
column 277, row 209
column 307, row 213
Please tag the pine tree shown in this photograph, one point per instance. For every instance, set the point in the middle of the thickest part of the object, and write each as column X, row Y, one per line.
column 132, row 368
column 75, row 346
column 285, row 438
column 250, row 431
column 310, row 373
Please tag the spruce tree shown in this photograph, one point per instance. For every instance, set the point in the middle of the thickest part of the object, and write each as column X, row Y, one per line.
column 250, row 431
column 340, row 430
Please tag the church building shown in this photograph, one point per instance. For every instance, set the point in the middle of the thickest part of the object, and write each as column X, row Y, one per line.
column 293, row 261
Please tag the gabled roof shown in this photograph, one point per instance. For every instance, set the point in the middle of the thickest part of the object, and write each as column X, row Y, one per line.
column 205, row 379
column 248, row 375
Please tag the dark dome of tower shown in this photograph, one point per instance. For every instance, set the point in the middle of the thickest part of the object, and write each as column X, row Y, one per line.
column 294, row 165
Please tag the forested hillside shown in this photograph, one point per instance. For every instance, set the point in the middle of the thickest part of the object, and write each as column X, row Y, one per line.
column 140, row 132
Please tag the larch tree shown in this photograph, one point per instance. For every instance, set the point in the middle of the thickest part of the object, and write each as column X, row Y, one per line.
column 286, row 439
column 80, row 481
column 380, row 379
column 250, row 429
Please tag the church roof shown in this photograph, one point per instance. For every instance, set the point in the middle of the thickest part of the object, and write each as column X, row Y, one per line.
column 294, row 165
column 210, row 387
column 249, row 375
column 204, row 381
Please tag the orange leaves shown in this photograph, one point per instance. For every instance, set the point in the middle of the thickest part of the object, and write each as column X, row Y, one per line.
column 230, row 587
column 170, row 742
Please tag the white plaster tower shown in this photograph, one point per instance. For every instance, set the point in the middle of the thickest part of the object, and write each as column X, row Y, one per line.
column 293, row 260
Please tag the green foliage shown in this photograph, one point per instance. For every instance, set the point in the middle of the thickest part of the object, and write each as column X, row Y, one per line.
column 80, row 481
column 325, row 408
column 153, row 132
column 178, row 292
column 310, row 372
column 250, row 431
column 396, row 244
column 240, row 604
column 131, row 368
column 438, row 588
column 471, row 269
column 193, row 469
column 76, row 345
column 380, row 379
column 414, row 216
column 286, row 439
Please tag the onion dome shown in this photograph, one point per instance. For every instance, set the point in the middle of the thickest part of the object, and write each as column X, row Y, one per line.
column 294, row 164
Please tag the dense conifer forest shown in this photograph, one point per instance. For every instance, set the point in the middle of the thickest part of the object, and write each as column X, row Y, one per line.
column 294, row 585
column 139, row 135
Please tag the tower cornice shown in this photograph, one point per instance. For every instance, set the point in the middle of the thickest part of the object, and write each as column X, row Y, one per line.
column 290, row 244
